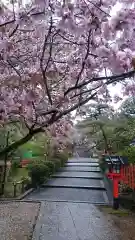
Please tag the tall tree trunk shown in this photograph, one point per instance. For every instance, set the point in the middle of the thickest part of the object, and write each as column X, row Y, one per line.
column 5, row 167
column 105, row 138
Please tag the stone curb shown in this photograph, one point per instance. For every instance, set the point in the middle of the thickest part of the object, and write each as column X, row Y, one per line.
column 18, row 198
column 72, row 201
column 25, row 194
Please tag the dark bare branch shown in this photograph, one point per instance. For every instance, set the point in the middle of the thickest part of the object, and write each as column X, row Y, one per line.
column 79, row 104
column 84, row 61
column 12, row 66
column 86, row 91
column 70, row 41
column 95, row 5
column 14, row 31
column 109, row 80
column 42, row 58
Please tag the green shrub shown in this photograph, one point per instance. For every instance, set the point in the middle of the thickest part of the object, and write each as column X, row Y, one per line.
column 57, row 163
column 38, row 172
column 51, row 166
column 62, row 156
column 40, row 169
column 129, row 152
column 15, row 164
column 14, row 167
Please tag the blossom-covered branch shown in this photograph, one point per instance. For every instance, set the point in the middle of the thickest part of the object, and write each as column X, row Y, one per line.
column 53, row 56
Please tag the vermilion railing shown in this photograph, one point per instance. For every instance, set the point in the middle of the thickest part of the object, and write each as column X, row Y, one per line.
column 128, row 175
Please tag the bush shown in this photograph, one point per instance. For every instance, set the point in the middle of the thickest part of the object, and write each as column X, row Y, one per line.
column 57, row 163
column 14, row 167
column 15, row 164
column 129, row 152
column 62, row 156
column 38, row 172
column 51, row 166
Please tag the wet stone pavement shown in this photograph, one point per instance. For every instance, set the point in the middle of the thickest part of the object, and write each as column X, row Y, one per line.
column 69, row 204
column 79, row 181
column 73, row 221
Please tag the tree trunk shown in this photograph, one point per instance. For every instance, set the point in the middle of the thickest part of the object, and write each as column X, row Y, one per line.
column 5, row 167
column 20, row 142
column 105, row 139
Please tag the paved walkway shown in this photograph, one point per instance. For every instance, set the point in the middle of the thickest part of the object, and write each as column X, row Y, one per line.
column 79, row 181
column 68, row 204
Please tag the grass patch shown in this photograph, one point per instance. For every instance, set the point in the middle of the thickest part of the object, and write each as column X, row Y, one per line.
column 21, row 172
column 119, row 212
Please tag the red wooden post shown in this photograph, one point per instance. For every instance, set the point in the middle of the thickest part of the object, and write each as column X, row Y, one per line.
column 116, row 177
column 115, row 193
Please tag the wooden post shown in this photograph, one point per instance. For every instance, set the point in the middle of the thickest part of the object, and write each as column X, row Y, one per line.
column 22, row 187
column 115, row 193
column 5, row 167
column 14, row 184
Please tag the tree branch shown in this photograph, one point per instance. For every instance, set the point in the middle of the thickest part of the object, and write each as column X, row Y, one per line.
column 20, row 142
column 70, row 41
column 12, row 66
column 86, row 91
column 112, row 79
column 84, row 61
column 42, row 58
column 96, row 6
column 14, row 30
column 82, row 102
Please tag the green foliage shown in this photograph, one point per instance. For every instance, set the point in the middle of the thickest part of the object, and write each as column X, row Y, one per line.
column 14, row 167
column 40, row 169
column 130, row 153
column 38, row 172
column 116, row 130
column 62, row 156
column 15, row 164
column 57, row 163
column 34, row 147
column 16, row 131
column 50, row 165
column 128, row 106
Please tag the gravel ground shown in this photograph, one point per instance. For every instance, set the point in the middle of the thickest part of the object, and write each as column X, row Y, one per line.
column 17, row 220
column 124, row 220
column 126, row 224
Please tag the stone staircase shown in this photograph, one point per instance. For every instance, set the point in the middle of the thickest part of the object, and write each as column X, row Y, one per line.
column 79, row 181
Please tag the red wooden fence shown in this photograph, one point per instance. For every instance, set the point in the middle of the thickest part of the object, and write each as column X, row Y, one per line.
column 128, row 175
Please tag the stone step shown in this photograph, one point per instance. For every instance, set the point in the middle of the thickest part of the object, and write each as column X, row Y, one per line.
column 75, row 183
column 69, row 195
column 75, row 186
column 91, row 175
column 79, row 159
column 80, row 169
column 83, row 177
column 83, row 164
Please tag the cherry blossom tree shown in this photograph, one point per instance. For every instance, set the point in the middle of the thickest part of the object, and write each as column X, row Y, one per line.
column 56, row 56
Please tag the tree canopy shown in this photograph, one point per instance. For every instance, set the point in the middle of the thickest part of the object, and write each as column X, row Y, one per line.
column 56, row 56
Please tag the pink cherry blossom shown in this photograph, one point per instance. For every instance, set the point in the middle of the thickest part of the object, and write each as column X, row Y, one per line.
column 58, row 55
